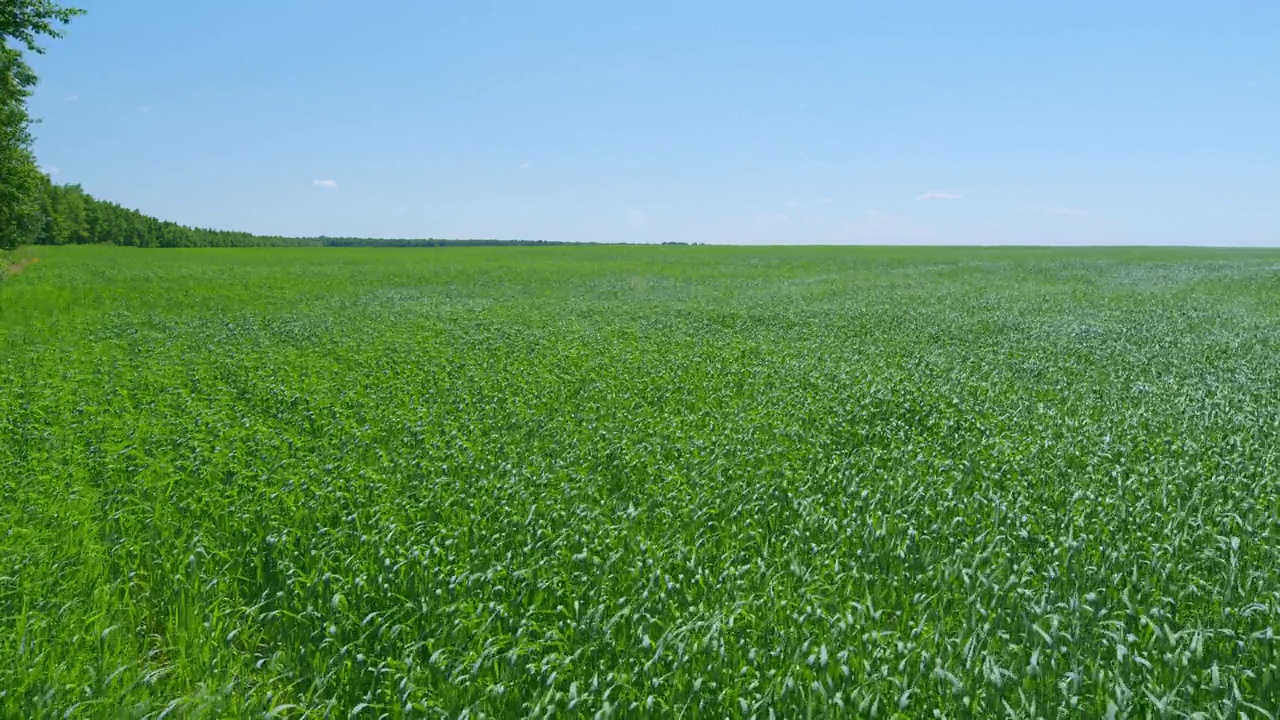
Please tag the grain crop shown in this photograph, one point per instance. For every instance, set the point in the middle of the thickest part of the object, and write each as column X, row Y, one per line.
column 640, row 482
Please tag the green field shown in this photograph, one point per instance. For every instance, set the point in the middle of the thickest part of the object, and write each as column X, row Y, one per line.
column 691, row 481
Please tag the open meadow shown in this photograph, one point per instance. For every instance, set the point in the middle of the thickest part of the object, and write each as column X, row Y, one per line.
column 640, row 481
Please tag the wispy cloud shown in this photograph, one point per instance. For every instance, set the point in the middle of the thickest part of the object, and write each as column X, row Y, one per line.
column 524, row 166
column 1067, row 212
column 51, row 170
column 939, row 196
column 791, row 205
column 71, row 98
column 637, row 219
column 326, row 184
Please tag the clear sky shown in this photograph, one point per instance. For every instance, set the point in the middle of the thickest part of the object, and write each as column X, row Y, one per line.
column 896, row 121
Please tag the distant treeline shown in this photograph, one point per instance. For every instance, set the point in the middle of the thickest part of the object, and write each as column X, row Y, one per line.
column 67, row 215
column 426, row 242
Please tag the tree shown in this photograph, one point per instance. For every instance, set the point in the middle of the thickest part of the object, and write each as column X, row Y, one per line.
column 25, row 21
column 22, row 24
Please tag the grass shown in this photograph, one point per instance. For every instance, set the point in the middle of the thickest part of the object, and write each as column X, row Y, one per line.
column 700, row 482
column 15, row 261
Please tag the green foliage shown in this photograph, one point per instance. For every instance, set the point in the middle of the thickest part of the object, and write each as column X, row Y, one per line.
column 21, row 183
column 69, row 216
column 26, row 21
column 49, row 214
column 19, row 180
column 711, row 482
column 20, row 186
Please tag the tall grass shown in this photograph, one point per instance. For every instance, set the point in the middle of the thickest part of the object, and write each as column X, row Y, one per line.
column 700, row 482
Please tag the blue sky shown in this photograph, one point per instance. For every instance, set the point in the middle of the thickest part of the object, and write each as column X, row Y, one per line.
column 804, row 122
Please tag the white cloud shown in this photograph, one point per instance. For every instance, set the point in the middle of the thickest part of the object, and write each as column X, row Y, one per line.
column 791, row 204
column 71, row 98
column 1067, row 212
column 825, row 201
column 524, row 166
column 939, row 196
column 51, row 170
column 326, row 184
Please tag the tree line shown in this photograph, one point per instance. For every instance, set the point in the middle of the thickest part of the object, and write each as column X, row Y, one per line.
column 67, row 215
column 22, row 185
column 430, row 242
